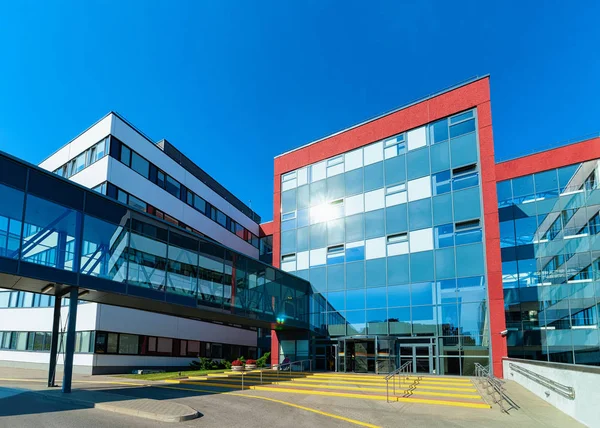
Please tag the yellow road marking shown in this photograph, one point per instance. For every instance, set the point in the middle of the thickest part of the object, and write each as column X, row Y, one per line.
column 308, row 409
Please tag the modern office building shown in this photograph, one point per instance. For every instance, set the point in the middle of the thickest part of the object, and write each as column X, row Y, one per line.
column 115, row 159
column 399, row 240
column 396, row 224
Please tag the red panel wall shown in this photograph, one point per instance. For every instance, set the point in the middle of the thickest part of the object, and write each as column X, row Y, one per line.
column 556, row 158
column 475, row 94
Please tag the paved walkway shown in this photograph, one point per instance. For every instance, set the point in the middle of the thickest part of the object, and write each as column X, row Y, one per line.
column 257, row 408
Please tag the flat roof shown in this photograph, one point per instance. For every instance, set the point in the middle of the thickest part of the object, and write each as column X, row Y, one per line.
column 420, row 100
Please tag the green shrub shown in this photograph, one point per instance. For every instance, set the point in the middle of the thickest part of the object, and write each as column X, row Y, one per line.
column 262, row 361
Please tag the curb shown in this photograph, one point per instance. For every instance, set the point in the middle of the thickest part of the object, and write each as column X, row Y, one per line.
column 192, row 414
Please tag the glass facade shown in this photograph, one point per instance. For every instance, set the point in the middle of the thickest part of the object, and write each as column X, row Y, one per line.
column 549, row 224
column 390, row 238
column 56, row 231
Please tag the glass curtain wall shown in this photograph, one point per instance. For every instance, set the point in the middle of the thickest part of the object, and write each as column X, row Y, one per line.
column 549, row 224
column 390, row 238
column 59, row 230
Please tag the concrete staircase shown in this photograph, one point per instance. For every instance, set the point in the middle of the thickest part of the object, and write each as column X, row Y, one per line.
column 436, row 390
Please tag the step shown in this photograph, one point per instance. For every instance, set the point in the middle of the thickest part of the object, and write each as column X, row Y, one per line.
column 367, row 377
column 401, row 381
column 381, row 397
column 399, row 391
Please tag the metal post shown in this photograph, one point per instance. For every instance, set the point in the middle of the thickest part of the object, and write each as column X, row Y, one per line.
column 242, row 380
column 54, row 342
column 70, row 347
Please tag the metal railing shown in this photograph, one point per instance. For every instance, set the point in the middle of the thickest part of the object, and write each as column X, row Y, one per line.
column 403, row 371
column 559, row 388
column 494, row 388
column 290, row 367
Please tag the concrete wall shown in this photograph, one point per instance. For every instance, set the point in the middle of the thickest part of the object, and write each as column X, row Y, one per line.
column 584, row 379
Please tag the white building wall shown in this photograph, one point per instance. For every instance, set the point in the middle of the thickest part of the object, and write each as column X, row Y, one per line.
column 78, row 145
column 93, row 175
column 117, row 319
column 134, row 183
column 40, row 319
column 154, row 154
column 583, row 379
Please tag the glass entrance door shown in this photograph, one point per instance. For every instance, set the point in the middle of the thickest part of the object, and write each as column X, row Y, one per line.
column 419, row 354
column 360, row 357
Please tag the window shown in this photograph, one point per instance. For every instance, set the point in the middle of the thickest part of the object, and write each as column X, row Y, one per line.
column 140, row 165
column 173, row 187
column 444, row 236
column 111, row 344
column 439, row 131
column 128, row 344
column 137, row 203
column 200, row 204
column 221, row 218
column 164, row 345
column 190, row 198
column 463, row 177
column 125, row 155
column 440, row 182
column 400, row 237
column 122, row 196
column 394, row 146
column 461, row 124
column 160, row 179
column 468, row 232
column 335, row 254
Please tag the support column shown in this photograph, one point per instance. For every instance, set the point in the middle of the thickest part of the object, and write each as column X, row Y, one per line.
column 54, row 342
column 274, row 347
column 70, row 345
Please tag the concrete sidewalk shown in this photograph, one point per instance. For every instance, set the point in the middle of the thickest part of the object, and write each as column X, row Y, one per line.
column 158, row 410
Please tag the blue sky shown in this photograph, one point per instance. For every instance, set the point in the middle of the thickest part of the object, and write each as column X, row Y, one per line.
column 234, row 83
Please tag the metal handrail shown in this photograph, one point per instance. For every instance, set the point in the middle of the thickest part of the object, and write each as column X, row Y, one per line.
column 291, row 364
column 483, row 373
column 559, row 388
column 404, row 368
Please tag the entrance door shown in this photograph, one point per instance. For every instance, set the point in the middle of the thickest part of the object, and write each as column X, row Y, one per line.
column 331, row 358
column 419, row 354
column 360, row 357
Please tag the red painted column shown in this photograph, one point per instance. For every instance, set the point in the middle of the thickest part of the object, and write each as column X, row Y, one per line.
column 274, row 347
column 497, row 321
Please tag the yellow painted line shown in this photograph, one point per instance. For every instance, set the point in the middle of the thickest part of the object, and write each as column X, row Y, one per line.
column 374, row 397
column 347, row 382
column 308, row 409
column 381, row 378
column 286, row 403
column 383, row 390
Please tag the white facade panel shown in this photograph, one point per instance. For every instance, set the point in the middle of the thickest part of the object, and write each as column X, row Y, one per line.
column 375, row 248
column 419, row 189
column 354, row 205
column 93, row 175
column 40, row 319
column 132, row 182
column 353, row 160
column 373, row 153
column 318, row 257
column 75, row 147
column 421, row 240
column 114, row 318
column 374, row 200
column 155, row 155
column 417, row 138
column 302, row 260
